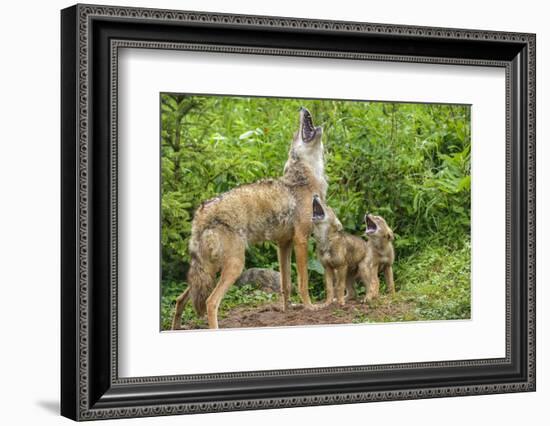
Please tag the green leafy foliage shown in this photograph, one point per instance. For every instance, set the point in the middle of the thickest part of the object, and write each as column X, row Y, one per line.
column 407, row 162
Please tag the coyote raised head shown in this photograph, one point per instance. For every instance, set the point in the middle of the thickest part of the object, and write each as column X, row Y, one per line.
column 278, row 210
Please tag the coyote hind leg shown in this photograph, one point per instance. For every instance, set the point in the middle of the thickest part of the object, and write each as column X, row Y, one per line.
column 181, row 301
column 231, row 270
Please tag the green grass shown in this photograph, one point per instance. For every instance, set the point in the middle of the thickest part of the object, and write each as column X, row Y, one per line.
column 437, row 281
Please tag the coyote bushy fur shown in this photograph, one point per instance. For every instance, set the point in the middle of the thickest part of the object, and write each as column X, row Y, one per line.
column 278, row 210
column 347, row 258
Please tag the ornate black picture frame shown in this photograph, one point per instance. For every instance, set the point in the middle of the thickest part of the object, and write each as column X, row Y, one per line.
column 90, row 385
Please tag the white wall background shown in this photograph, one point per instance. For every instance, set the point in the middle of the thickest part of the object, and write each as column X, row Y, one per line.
column 29, row 212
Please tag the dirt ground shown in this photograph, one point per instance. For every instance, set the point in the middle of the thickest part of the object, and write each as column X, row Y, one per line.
column 270, row 315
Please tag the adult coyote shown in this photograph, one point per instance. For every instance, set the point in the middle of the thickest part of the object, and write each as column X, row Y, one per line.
column 278, row 210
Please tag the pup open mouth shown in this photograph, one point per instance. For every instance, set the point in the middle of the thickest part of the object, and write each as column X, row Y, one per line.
column 318, row 211
column 309, row 131
column 372, row 227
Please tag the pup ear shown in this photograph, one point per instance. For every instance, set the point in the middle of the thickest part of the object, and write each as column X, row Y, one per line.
column 391, row 237
column 338, row 225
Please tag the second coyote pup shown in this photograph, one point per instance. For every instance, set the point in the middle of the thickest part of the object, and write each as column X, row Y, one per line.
column 347, row 258
column 278, row 210
column 380, row 254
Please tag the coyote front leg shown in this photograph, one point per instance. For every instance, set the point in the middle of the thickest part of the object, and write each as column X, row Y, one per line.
column 284, row 252
column 388, row 274
column 330, row 280
column 341, row 275
column 373, row 286
column 300, row 248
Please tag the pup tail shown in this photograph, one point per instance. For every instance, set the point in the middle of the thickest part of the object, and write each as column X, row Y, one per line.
column 205, row 252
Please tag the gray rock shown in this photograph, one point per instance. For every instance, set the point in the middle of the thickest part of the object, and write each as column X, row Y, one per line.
column 264, row 279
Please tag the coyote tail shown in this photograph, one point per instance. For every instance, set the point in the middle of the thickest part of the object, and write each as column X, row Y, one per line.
column 205, row 250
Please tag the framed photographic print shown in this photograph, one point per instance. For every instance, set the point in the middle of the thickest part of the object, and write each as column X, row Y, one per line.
column 263, row 212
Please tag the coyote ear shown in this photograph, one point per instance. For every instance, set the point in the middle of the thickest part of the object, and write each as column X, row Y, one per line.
column 391, row 237
column 338, row 225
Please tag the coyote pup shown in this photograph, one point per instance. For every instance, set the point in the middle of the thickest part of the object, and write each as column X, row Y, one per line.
column 380, row 254
column 278, row 210
column 347, row 258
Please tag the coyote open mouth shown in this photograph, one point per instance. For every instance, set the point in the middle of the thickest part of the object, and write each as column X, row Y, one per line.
column 318, row 211
column 309, row 131
column 372, row 227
